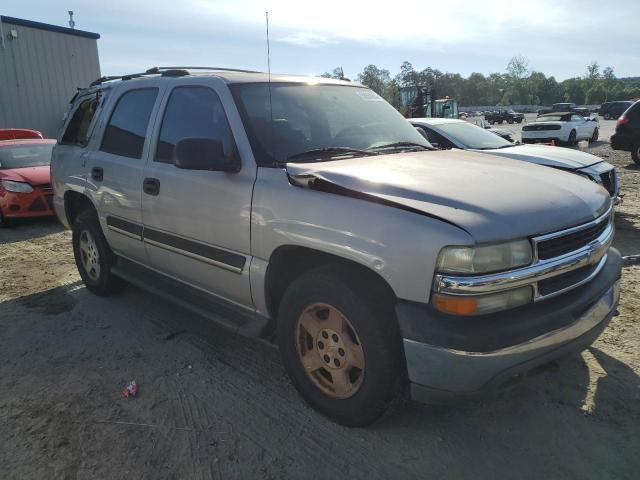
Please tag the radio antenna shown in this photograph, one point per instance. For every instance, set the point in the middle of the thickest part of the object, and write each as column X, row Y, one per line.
column 273, row 153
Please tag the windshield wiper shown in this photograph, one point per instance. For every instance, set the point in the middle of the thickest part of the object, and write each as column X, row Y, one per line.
column 402, row 145
column 327, row 152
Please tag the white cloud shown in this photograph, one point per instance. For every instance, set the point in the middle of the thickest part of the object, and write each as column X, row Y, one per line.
column 306, row 39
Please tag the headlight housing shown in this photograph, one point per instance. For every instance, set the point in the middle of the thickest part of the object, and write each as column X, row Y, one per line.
column 480, row 259
column 17, row 187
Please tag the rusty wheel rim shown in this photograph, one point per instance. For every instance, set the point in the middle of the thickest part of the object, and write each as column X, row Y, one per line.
column 330, row 351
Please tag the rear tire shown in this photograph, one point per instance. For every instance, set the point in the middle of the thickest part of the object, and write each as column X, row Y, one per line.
column 365, row 354
column 635, row 153
column 607, row 116
column 93, row 256
column 3, row 221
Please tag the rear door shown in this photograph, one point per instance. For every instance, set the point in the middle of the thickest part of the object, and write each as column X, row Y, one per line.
column 116, row 165
column 197, row 222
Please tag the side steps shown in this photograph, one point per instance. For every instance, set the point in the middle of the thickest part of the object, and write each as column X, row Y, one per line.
column 223, row 313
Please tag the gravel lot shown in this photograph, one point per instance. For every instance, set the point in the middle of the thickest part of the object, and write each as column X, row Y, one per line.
column 215, row 405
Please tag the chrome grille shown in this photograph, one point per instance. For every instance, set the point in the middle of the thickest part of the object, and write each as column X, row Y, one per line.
column 555, row 247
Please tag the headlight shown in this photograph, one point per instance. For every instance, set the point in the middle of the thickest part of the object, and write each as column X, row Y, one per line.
column 485, row 258
column 482, row 304
column 19, row 187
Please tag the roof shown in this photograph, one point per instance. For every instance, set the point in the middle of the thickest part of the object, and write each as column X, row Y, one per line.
column 48, row 27
column 228, row 75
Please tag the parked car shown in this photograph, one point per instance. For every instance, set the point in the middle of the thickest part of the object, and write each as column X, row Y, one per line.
column 563, row 127
column 558, row 107
column 499, row 116
column 18, row 133
column 310, row 211
column 501, row 132
column 446, row 134
column 612, row 110
column 627, row 134
column 25, row 179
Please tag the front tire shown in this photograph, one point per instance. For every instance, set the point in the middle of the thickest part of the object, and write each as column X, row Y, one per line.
column 594, row 137
column 93, row 256
column 607, row 116
column 340, row 345
column 572, row 140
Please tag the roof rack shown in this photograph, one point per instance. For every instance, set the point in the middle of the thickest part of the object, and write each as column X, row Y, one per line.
column 165, row 72
column 220, row 69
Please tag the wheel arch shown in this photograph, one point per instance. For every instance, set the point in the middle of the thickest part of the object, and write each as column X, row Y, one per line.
column 75, row 203
column 289, row 262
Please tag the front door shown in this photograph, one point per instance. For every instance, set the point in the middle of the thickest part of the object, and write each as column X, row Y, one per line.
column 197, row 222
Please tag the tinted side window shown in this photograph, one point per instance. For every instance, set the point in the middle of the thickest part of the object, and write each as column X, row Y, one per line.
column 193, row 112
column 127, row 127
column 76, row 132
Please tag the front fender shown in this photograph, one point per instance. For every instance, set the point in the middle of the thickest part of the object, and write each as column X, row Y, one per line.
column 401, row 246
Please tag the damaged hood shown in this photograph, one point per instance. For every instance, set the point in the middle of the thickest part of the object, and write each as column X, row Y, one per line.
column 492, row 199
column 557, row 157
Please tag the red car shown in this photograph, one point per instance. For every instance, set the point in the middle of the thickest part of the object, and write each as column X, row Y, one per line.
column 25, row 179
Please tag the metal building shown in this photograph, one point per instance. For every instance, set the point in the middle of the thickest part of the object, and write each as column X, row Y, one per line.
column 41, row 67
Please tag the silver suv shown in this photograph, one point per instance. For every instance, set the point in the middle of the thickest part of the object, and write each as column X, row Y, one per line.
column 309, row 211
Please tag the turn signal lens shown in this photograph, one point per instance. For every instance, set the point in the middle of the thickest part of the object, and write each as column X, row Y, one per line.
column 482, row 304
column 455, row 305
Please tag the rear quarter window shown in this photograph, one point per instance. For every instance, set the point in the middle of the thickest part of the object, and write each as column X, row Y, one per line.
column 77, row 131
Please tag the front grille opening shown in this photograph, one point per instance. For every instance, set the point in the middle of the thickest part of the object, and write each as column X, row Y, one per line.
column 554, row 247
column 565, row 280
column 37, row 206
column 608, row 181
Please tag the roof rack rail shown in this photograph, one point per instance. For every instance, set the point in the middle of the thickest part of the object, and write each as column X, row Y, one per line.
column 221, row 69
column 165, row 72
column 129, row 76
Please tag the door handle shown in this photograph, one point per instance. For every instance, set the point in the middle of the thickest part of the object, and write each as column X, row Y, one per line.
column 151, row 186
column 97, row 173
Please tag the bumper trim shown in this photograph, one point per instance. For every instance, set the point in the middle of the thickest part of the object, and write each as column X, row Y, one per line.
column 457, row 372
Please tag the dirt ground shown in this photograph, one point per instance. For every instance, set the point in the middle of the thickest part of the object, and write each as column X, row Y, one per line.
column 212, row 404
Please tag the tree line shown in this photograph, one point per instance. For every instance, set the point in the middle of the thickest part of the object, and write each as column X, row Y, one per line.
column 518, row 85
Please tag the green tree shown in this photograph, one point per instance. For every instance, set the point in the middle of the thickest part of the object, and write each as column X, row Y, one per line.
column 596, row 94
column 377, row 79
column 336, row 73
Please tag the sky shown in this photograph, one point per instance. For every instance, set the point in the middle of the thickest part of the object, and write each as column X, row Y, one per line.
column 559, row 37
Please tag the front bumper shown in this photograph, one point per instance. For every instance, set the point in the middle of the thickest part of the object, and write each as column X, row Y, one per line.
column 38, row 203
column 452, row 357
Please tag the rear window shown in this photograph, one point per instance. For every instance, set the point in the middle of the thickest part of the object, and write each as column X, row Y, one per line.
column 634, row 111
column 127, row 127
column 21, row 156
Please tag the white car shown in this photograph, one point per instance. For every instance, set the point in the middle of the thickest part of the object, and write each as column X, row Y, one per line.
column 561, row 127
column 445, row 133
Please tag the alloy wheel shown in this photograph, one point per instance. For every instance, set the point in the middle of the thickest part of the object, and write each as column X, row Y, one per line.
column 330, row 351
column 89, row 255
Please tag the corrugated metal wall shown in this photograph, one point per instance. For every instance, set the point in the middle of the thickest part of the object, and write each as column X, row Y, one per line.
column 39, row 73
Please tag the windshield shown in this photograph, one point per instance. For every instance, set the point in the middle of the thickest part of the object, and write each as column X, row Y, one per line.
column 472, row 136
column 328, row 118
column 21, row 156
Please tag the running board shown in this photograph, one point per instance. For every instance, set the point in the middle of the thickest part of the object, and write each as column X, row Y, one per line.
column 222, row 312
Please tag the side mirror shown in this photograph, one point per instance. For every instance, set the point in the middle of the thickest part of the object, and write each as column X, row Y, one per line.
column 204, row 154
